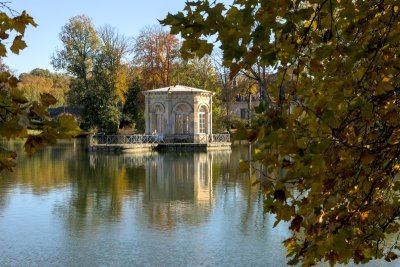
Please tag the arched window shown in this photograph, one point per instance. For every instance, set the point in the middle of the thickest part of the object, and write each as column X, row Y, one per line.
column 203, row 119
column 182, row 118
column 157, row 118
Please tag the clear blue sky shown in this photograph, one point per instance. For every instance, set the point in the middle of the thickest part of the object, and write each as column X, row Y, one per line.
column 128, row 16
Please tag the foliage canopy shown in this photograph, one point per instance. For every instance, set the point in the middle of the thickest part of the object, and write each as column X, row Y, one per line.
column 40, row 81
column 155, row 54
column 328, row 139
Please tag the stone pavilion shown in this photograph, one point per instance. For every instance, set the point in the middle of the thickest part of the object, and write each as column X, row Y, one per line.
column 179, row 113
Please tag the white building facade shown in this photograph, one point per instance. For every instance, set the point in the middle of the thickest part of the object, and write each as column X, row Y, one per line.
column 179, row 113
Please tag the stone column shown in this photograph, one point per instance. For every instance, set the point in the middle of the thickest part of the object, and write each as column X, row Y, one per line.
column 196, row 115
column 147, row 117
column 170, row 118
column 210, row 131
column 196, row 130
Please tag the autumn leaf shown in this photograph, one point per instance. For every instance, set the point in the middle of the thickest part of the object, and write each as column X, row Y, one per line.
column 20, row 22
column 33, row 143
column 391, row 256
column 296, row 223
column 18, row 44
column 68, row 126
column 243, row 166
column 3, row 50
column 280, row 195
column 47, row 99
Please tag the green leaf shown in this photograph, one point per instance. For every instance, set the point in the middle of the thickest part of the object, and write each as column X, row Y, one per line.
column 367, row 110
column 12, row 129
column 39, row 110
column 337, row 61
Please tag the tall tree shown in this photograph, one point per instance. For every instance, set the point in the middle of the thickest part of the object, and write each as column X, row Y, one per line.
column 109, row 62
column 110, row 76
column 330, row 139
column 96, row 61
column 133, row 110
column 80, row 46
column 41, row 73
column 155, row 52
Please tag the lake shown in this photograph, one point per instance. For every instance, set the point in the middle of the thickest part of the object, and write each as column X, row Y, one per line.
column 65, row 206
column 68, row 207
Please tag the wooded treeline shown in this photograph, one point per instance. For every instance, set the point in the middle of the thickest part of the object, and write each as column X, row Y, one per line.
column 102, row 72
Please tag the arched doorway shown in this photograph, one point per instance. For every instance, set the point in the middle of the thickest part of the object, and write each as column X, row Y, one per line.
column 157, row 118
column 182, row 112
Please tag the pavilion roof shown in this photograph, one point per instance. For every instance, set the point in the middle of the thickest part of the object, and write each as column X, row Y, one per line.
column 178, row 88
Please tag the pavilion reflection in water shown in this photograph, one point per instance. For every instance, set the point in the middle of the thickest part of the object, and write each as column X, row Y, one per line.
column 175, row 176
column 178, row 186
column 180, row 177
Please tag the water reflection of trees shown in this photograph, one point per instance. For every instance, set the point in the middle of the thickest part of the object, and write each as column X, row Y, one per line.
column 163, row 190
column 101, row 184
column 45, row 170
column 39, row 174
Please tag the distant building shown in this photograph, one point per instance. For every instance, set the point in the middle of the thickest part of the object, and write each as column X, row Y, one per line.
column 179, row 112
column 55, row 112
column 240, row 108
column 243, row 108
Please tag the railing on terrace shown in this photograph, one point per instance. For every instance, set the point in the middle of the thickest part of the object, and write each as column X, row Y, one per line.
column 102, row 139
column 220, row 138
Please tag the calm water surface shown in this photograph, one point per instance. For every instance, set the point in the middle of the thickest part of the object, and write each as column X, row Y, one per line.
column 68, row 207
